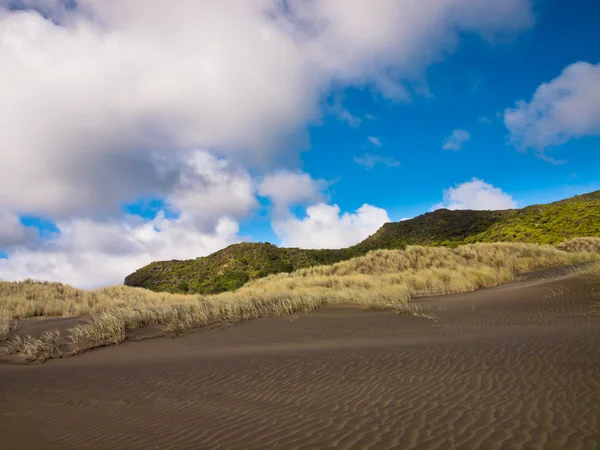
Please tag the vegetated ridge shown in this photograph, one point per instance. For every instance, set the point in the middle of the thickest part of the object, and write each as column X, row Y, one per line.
column 384, row 280
column 231, row 267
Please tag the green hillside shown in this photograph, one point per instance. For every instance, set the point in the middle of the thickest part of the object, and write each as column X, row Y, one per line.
column 231, row 267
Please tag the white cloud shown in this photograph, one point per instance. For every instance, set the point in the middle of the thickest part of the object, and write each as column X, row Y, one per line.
column 369, row 161
column 565, row 108
column 286, row 188
column 90, row 254
column 484, row 120
column 476, row 194
column 456, row 140
column 105, row 102
column 12, row 231
column 375, row 141
column 212, row 195
column 240, row 78
column 325, row 227
column 210, row 188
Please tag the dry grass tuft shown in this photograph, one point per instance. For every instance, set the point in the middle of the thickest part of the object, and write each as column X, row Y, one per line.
column 7, row 326
column 581, row 244
column 382, row 279
column 591, row 270
column 49, row 345
column 26, row 299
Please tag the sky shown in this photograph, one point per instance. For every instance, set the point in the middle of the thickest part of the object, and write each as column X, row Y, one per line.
column 143, row 130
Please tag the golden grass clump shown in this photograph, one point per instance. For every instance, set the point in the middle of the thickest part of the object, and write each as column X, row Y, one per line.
column 49, row 345
column 382, row 279
column 26, row 299
column 581, row 244
column 591, row 270
column 7, row 325
column 512, row 256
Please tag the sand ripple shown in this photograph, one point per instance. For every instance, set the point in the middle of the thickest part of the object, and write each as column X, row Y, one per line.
column 509, row 368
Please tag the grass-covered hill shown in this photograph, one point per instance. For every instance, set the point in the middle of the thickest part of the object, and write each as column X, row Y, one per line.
column 230, row 268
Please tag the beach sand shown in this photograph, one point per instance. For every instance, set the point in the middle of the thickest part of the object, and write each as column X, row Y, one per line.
column 506, row 368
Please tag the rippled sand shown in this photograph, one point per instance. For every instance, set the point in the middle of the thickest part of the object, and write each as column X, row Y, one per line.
column 512, row 367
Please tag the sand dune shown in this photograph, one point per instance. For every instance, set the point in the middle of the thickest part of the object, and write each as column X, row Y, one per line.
column 511, row 367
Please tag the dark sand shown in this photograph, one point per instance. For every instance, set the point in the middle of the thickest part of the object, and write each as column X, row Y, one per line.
column 512, row 367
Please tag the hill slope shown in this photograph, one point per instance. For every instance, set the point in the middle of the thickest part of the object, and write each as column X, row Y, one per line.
column 231, row 267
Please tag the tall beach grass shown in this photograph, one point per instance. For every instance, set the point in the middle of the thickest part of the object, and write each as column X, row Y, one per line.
column 382, row 279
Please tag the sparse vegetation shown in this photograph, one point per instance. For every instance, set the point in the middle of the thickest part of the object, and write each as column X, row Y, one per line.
column 382, row 279
column 592, row 270
column 31, row 349
column 232, row 267
column 6, row 328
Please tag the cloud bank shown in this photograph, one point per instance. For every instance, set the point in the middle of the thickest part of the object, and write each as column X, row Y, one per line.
column 105, row 102
column 90, row 254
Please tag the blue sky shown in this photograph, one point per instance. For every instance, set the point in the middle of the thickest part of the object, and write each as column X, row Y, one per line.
column 283, row 143
column 479, row 81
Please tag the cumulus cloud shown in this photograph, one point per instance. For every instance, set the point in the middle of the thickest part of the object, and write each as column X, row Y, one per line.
column 104, row 102
column 565, row 108
column 456, row 140
column 210, row 188
column 210, row 197
column 240, row 78
column 90, row 254
column 369, row 161
column 325, row 227
column 476, row 194
column 12, row 231
column 287, row 188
